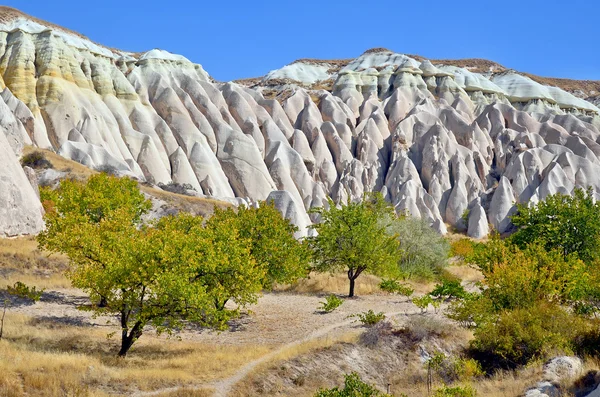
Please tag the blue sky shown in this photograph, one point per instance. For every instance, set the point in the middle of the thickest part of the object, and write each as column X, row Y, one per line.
column 235, row 39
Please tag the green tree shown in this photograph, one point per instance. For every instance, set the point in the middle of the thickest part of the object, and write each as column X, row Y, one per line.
column 271, row 241
column 76, row 205
column 224, row 263
column 353, row 387
column 354, row 238
column 570, row 224
column 423, row 252
column 146, row 274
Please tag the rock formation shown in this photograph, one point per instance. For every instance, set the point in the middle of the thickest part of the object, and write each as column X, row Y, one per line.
column 440, row 141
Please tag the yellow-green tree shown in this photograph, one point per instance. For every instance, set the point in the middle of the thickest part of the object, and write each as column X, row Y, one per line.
column 278, row 256
column 147, row 274
column 354, row 237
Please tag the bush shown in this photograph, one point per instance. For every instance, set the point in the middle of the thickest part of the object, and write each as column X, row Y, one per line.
column 178, row 188
column 470, row 311
column 452, row 369
column 462, row 248
column 457, row 391
column 420, row 328
column 517, row 337
column 108, row 170
column 569, row 224
column 449, row 289
column 369, row 318
column 517, row 278
column 423, row 302
column 424, row 252
column 36, row 160
column 394, row 287
column 331, row 303
column 353, row 387
column 22, row 290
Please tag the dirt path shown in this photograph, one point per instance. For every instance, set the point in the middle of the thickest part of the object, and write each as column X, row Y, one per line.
column 280, row 320
column 223, row 387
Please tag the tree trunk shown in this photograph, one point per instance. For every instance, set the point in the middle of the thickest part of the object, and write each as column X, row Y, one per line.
column 352, row 276
column 128, row 340
column 351, row 293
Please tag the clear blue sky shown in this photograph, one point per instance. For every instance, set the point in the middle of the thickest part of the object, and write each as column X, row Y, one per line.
column 235, row 39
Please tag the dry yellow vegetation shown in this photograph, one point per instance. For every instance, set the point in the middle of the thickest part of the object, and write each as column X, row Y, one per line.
column 21, row 260
column 45, row 358
column 337, row 283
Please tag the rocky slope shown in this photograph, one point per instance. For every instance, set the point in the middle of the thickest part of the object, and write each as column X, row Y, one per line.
column 441, row 141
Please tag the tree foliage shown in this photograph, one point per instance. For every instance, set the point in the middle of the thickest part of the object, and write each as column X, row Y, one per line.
column 163, row 273
column 271, row 238
column 423, row 252
column 569, row 224
column 355, row 238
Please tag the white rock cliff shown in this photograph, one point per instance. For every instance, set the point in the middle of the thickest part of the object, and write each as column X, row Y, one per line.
column 440, row 142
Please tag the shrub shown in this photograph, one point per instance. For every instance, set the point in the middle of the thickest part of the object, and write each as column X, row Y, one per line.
column 393, row 286
column 353, row 387
column 449, row 289
column 420, row 328
column 569, row 224
column 36, row 160
column 18, row 290
column 178, row 188
column 470, row 311
column 331, row 303
column 517, row 278
column 452, row 369
column 462, row 248
column 108, row 170
column 457, row 391
column 424, row 252
column 517, row 337
column 372, row 336
column 22, row 290
column 369, row 318
column 423, row 302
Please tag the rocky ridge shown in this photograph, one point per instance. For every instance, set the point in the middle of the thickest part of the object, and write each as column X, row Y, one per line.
column 440, row 141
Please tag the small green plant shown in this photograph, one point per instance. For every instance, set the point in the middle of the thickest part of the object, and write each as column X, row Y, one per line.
column 369, row 318
column 331, row 303
column 394, row 287
column 423, row 302
column 22, row 290
column 19, row 290
column 36, row 160
column 465, row 216
column 449, row 289
column 353, row 387
column 457, row 391
column 433, row 365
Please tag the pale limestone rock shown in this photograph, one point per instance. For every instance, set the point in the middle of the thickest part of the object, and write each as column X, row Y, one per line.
column 478, row 224
column 502, row 206
column 292, row 210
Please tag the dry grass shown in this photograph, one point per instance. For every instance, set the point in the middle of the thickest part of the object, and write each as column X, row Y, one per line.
column 467, row 273
column 59, row 163
column 187, row 392
column 21, row 260
column 51, row 359
column 194, row 205
column 319, row 283
column 246, row 387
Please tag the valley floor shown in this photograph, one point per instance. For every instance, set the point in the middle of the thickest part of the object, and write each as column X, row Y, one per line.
column 282, row 346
